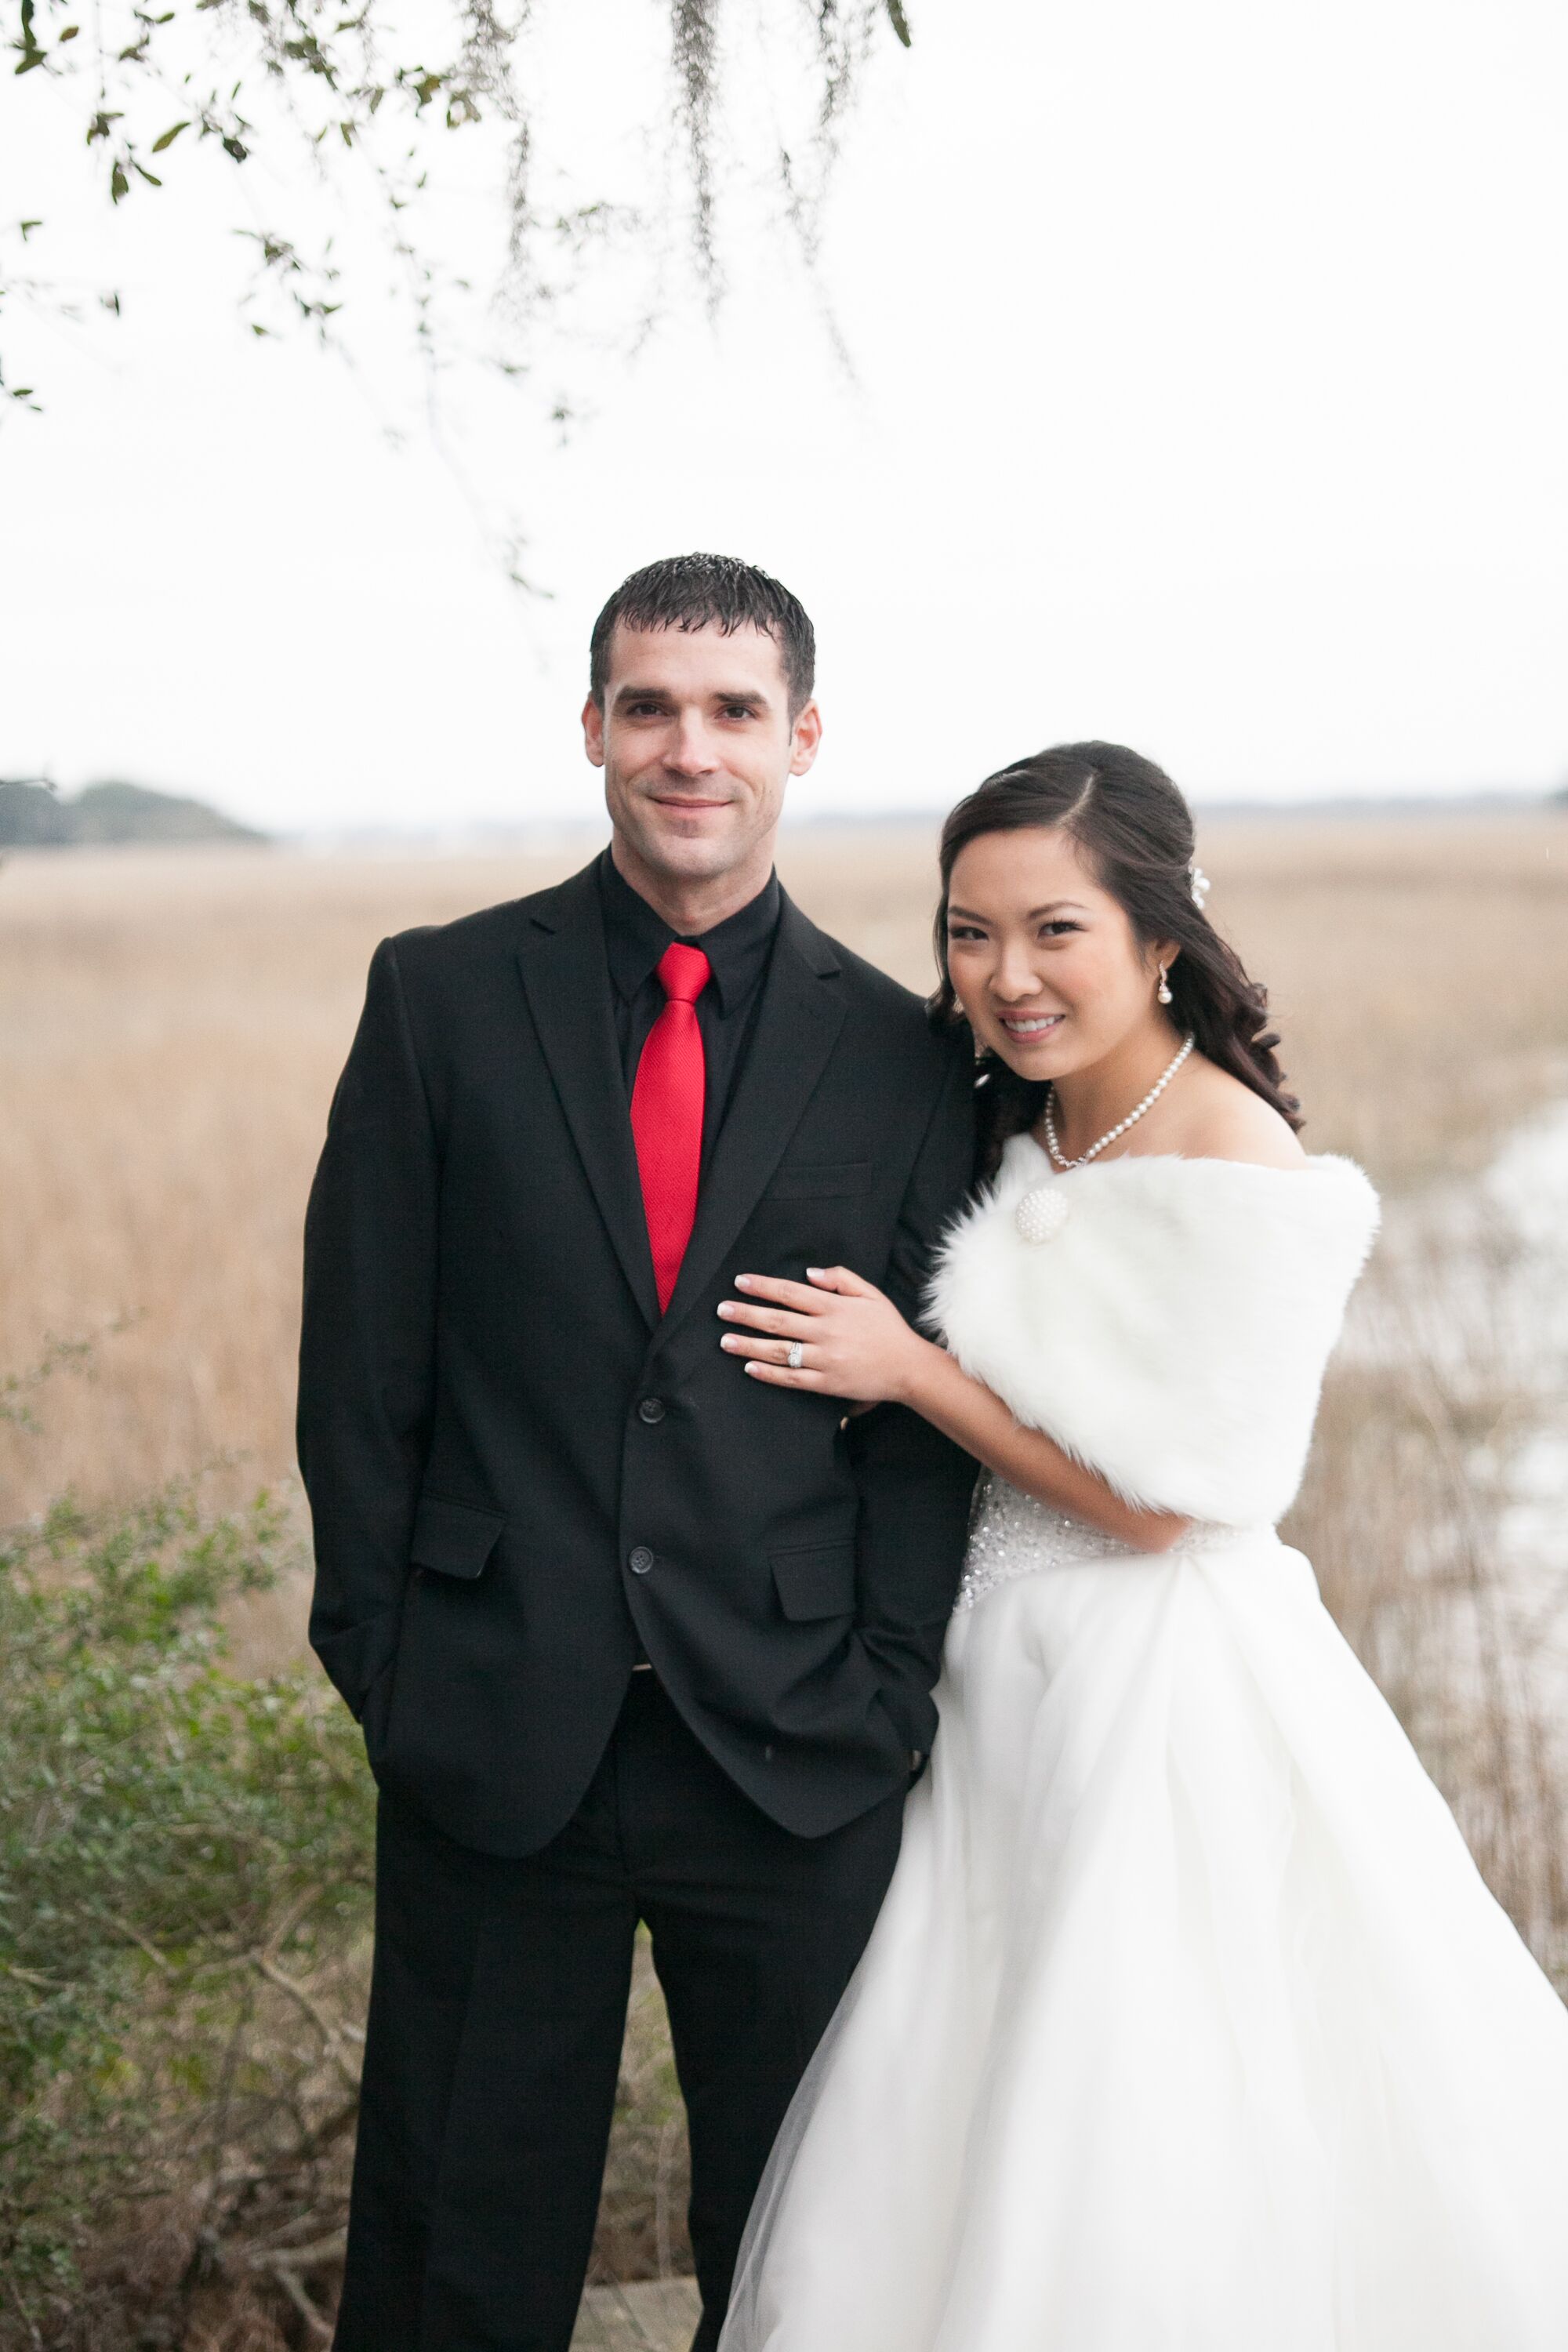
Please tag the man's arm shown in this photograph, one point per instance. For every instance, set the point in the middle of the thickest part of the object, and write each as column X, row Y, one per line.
column 367, row 1340
column 915, row 1484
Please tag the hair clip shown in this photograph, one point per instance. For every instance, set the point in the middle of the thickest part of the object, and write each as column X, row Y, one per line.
column 1201, row 886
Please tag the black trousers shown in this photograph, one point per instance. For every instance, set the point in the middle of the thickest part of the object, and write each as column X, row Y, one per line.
column 498, row 2008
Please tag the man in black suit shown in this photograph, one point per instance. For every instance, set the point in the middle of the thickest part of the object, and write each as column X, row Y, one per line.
column 632, row 1637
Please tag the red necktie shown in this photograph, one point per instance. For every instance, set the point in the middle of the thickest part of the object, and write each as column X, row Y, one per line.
column 666, row 1113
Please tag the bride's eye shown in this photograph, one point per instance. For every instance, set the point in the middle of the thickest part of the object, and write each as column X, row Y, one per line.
column 962, row 931
column 1054, row 930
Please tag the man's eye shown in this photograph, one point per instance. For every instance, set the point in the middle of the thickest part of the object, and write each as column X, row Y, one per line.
column 740, row 710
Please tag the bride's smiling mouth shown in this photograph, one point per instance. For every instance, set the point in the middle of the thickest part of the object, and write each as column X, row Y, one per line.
column 1027, row 1028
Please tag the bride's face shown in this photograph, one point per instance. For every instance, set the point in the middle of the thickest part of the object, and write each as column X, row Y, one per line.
column 1043, row 960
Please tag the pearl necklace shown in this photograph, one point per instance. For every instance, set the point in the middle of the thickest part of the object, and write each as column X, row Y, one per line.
column 1152, row 1096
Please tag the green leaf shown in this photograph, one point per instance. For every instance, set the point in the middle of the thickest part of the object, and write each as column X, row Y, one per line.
column 150, row 177
column 119, row 185
column 898, row 21
column 71, row 32
column 169, row 137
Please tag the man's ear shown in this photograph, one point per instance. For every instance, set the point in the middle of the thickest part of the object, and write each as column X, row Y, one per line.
column 806, row 739
column 593, row 731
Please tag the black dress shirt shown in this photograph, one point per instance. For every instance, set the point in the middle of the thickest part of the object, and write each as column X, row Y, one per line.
column 738, row 950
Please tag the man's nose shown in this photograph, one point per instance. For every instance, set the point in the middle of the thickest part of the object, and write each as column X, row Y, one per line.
column 691, row 751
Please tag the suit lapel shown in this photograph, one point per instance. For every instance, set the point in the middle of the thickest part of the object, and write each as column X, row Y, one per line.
column 567, row 980
column 798, row 1023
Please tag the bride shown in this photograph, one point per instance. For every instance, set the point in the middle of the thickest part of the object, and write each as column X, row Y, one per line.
column 1188, row 2024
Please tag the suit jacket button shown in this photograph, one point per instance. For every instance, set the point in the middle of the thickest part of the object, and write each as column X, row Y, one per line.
column 641, row 1560
column 651, row 1410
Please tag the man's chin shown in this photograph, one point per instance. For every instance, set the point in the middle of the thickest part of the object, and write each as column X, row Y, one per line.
column 687, row 853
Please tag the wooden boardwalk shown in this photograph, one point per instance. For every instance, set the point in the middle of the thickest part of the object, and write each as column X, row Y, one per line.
column 655, row 2316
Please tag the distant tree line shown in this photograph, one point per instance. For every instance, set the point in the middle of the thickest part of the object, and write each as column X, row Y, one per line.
column 33, row 815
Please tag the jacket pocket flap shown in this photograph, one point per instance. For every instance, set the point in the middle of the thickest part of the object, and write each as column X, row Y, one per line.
column 815, row 1580
column 797, row 1183
column 454, row 1538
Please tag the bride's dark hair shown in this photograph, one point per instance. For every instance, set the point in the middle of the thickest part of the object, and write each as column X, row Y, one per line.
column 1137, row 831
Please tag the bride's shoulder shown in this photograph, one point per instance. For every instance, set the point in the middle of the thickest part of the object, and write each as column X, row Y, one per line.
column 1218, row 1117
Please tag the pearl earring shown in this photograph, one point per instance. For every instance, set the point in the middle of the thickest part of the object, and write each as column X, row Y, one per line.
column 1164, row 988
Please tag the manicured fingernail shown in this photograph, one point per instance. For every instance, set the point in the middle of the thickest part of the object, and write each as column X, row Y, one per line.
column 814, row 1274
column 731, row 1340
column 743, row 1282
column 726, row 1308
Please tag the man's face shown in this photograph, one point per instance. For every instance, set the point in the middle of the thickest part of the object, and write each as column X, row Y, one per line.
column 696, row 745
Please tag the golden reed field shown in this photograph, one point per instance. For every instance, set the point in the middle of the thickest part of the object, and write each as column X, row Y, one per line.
column 172, row 1023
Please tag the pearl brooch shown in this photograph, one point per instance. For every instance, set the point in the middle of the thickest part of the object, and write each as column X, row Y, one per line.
column 1042, row 1213
column 1152, row 1096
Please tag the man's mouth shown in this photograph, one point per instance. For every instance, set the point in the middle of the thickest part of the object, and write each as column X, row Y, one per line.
column 1027, row 1026
column 684, row 803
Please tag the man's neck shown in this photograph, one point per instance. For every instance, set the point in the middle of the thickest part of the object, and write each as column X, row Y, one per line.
column 693, row 903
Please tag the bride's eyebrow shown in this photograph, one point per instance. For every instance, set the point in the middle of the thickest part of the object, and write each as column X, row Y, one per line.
column 1056, row 906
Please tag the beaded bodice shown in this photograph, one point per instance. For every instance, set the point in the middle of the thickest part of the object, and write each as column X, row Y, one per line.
column 1011, row 1534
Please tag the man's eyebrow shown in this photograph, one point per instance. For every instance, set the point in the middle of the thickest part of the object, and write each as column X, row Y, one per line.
column 757, row 696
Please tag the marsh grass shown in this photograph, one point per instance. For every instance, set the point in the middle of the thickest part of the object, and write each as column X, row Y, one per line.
column 171, row 1026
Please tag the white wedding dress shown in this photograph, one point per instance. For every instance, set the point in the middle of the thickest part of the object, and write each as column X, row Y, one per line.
column 1188, row 2024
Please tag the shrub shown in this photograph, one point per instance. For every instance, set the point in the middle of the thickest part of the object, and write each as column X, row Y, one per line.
column 185, row 1883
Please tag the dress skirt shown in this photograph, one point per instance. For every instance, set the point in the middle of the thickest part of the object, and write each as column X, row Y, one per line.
column 1189, row 2024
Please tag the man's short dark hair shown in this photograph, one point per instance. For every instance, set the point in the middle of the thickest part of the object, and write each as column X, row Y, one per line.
column 709, row 591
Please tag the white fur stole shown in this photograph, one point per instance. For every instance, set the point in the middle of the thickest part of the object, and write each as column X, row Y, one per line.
column 1166, row 1321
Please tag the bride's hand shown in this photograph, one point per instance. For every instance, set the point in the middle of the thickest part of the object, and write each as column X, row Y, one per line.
column 854, row 1343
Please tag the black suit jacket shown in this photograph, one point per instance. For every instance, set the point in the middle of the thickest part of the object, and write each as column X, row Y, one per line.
column 517, row 1469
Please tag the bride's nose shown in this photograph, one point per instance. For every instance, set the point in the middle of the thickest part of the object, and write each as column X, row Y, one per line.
column 1016, row 976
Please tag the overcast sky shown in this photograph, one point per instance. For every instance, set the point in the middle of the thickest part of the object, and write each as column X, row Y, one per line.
column 1211, row 371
